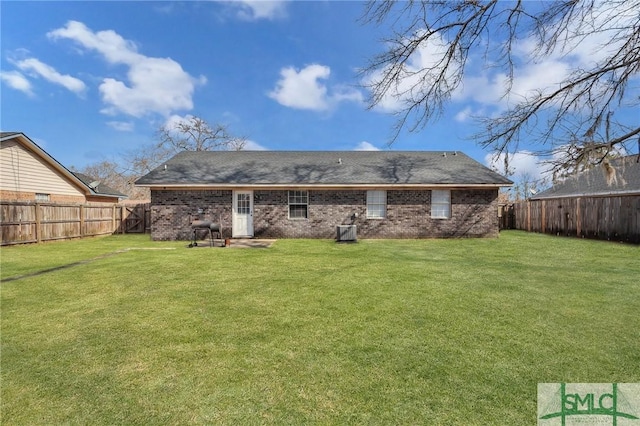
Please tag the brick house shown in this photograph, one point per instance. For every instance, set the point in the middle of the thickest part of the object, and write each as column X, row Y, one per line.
column 306, row 194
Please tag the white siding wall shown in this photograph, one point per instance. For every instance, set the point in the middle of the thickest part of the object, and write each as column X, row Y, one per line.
column 23, row 171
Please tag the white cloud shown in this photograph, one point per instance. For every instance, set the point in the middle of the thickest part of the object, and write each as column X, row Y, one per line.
column 155, row 85
column 110, row 44
column 521, row 164
column 121, row 126
column 592, row 44
column 17, row 81
column 365, row 146
column 463, row 116
column 416, row 76
column 49, row 73
column 532, row 73
column 301, row 89
column 490, row 90
column 340, row 93
column 253, row 10
column 304, row 89
column 254, row 146
column 174, row 120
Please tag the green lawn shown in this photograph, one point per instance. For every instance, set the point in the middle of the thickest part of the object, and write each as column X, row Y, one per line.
column 312, row 332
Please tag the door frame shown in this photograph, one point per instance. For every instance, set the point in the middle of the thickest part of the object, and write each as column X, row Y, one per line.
column 235, row 222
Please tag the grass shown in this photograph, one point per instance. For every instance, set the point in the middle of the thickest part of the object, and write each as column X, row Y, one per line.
column 312, row 332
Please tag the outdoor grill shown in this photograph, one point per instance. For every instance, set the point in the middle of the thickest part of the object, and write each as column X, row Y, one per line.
column 207, row 225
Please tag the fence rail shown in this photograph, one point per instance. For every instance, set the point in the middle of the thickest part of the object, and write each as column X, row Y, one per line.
column 615, row 218
column 24, row 222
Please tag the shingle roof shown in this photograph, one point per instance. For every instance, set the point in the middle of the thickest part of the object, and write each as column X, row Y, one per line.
column 624, row 178
column 321, row 168
column 100, row 188
column 7, row 134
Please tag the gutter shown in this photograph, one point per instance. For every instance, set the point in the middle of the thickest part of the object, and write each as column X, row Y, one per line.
column 595, row 194
column 323, row 186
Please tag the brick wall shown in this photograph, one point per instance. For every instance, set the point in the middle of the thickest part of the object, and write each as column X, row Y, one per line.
column 473, row 214
column 173, row 211
column 6, row 195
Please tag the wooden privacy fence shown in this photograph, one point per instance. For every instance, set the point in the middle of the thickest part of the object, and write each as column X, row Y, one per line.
column 615, row 218
column 23, row 222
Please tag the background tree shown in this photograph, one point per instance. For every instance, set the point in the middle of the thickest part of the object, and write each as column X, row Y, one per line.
column 183, row 134
column 525, row 186
column 115, row 176
column 577, row 121
column 194, row 134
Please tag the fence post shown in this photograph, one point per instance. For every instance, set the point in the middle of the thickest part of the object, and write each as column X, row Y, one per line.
column 38, row 223
column 543, row 216
column 147, row 218
column 113, row 219
column 82, row 227
column 528, row 216
column 123, row 209
column 578, row 218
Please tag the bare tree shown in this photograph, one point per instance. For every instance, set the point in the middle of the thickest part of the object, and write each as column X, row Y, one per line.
column 195, row 134
column 578, row 121
column 189, row 134
column 526, row 186
column 115, row 176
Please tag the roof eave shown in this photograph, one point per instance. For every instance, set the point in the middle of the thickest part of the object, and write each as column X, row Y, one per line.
column 321, row 186
column 595, row 194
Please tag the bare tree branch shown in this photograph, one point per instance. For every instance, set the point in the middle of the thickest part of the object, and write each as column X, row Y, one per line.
column 116, row 177
column 195, row 134
column 579, row 111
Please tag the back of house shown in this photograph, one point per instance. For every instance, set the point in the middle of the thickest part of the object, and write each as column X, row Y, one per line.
column 307, row 194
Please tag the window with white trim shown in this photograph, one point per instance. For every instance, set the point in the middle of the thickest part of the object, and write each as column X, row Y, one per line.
column 298, row 204
column 440, row 204
column 376, row 204
column 43, row 197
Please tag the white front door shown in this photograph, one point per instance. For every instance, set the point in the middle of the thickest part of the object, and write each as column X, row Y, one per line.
column 242, row 214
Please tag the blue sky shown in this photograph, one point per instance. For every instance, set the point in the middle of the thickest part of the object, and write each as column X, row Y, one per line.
column 89, row 81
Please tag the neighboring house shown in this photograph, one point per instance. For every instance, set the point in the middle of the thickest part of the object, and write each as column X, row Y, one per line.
column 603, row 203
column 100, row 188
column 618, row 176
column 306, row 194
column 29, row 173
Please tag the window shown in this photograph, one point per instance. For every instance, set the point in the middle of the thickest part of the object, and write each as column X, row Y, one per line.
column 298, row 204
column 243, row 203
column 441, row 204
column 376, row 204
column 43, row 197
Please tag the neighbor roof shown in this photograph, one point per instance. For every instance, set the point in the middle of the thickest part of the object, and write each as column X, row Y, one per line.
column 623, row 178
column 98, row 187
column 8, row 134
column 321, row 168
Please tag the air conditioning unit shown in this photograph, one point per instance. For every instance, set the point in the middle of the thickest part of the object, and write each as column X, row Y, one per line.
column 346, row 233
